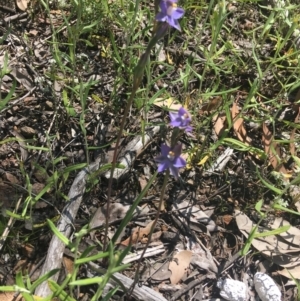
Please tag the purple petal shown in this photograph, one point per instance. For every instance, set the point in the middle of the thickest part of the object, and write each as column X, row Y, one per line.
column 174, row 172
column 165, row 150
column 163, row 166
column 175, row 123
column 160, row 159
column 188, row 120
column 173, row 116
column 182, row 111
column 177, row 150
column 188, row 128
column 174, row 23
column 185, row 123
column 162, row 17
column 179, row 162
column 178, row 13
column 163, row 6
column 170, row 20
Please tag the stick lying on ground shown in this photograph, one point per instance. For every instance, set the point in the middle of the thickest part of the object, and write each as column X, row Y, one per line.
column 66, row 222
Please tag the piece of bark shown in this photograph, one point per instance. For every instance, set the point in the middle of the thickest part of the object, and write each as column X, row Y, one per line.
column 132, row 150
column 143, row 293
column 64, row 225
column 220, row 163
column 66, row 222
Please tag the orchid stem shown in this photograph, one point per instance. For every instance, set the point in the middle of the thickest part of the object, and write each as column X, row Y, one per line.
column 163, row 189
column 137, row 78
column 114, row 161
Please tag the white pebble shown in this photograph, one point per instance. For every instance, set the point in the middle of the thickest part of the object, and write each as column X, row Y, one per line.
column 266, row 288
column 232, row 290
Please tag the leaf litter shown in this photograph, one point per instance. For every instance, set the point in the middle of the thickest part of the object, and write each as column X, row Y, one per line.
column 282, row 249
column 220, row 188
column 179, row 265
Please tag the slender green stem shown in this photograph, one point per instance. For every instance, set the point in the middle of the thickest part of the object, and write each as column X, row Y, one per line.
column 138, row 75
column 161, row 30
column 114, row 162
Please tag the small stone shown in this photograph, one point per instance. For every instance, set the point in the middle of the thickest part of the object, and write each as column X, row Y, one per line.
column 49, row 104
column 232, row 290
column 37, row 187
column 27, row 131
column 266, row 288
column 11, row 178
column 4, row 150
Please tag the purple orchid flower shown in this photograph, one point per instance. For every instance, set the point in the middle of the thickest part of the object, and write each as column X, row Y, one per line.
column 170, row 159
column 181, row 119
column 170, row 13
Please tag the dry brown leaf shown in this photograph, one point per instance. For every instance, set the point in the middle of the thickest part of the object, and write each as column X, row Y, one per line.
column 220, row 123
column 22, row 77
column 179, row 264
column 297, row 205
column 203, row 262
column 28, row 250
column 21, row 264
column 9, row 296
column 292, row 143
column 271, row 146
column 211, row 105
column 158, row 272
column 143, row 182
column 33, row 32
column 227, row 219
column 297, row 97
column 117, row 212
column 22, row 4
column 11, row 178
column 55, row 12
column 283, row 249
column 69, row 264
column 138, row 234
column 238, row 125
column 295, row 272
column 169, row 103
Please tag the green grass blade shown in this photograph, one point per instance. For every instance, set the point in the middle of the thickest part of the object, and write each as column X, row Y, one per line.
column 272, row 232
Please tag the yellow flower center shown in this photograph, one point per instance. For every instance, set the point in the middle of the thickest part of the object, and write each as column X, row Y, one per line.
column 171, row 155
column 171, row 7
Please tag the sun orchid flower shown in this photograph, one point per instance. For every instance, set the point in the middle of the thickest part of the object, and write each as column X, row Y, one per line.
column 170, row 159
column 181, row 119
column 170, row 13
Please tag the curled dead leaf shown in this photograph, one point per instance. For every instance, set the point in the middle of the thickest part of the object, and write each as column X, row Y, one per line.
column 169, row 103
column 272, row 149
column 138, row 234
column 220, row 123
column 227, row 219
column 238, row 125
column 179, row 265
column 22, row 4
column 282, row 248
column 291, row 273
column 211, row 106
column 292, row 143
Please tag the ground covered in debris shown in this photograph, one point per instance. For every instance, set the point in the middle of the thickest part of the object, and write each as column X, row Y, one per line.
column 66, row 76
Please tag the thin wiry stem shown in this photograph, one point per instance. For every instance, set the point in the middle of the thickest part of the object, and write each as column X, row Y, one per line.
column 114, row 162
column 163, row 189
column 137, row 78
